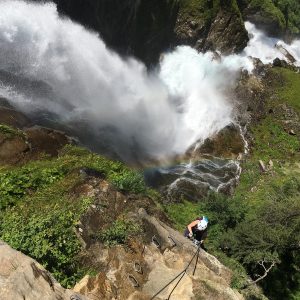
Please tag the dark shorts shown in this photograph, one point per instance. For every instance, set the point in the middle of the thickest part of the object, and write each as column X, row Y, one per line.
column 197, row 234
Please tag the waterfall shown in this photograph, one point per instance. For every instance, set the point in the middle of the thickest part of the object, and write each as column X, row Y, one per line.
column 53, row 68
column 57, row 71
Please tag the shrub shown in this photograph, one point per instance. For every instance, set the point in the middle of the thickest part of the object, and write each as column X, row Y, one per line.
column 47, row 237
column 17, row 183
column 128, row 180
column 10, row 131
column 118, row 232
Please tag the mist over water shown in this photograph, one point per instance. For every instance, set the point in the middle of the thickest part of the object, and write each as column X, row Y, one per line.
column 57, row 71
column 263, row 47
column 50, row 66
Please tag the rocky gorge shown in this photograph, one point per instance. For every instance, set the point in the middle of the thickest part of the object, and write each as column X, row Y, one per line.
column 94, row 224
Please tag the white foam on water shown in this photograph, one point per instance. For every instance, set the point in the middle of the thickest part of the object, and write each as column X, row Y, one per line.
column 77, row 78
column 263, row 47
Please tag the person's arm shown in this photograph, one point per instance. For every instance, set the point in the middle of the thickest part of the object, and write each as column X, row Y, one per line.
column 194, row 223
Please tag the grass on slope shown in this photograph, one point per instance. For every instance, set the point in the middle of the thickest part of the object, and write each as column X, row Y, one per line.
column 38, row 210
column 248, row 215
column 290, row 91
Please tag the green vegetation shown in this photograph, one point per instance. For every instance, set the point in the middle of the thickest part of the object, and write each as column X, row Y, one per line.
column 259, row 225
column 41, row 225
column 203, row 10
column 290, row 90
column 279, row 143
column 284, row 13
column 39, row 211
column 10, row 132
column 119, row 232
column 16, row 183
column 223, row 213
column 199, row 10
column 268, row 10
column 291, row 12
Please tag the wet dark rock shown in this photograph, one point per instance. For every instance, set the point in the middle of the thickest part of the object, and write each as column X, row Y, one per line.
column 279, row 63
column 290, row 58
column 141, row 28
column 12, row 148
column 227, row 33
column 146, row 28
column 271, row 23
column 45, row 140
column 227, row 143
column 185, row 188
column 259, row 67
column 250, row 94
column 9, row 116
column 85, row 172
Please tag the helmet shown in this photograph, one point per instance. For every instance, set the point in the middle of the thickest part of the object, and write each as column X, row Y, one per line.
column 203, row 223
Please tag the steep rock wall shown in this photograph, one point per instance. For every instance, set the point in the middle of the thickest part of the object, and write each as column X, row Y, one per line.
column 21, row 277
column 146, row 28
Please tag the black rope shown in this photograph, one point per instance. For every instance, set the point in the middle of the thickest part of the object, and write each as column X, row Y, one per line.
column 196, row 260
column 180, row 274
column 167, row 284
column 176, row 285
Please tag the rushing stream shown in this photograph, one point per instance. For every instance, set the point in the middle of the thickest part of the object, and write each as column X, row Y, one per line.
column 62, row 75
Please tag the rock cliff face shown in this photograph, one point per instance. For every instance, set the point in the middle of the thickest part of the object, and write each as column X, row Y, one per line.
column 137, row 271
column 265, row 15
column 23, row 278
column 206, row 26
column 141, row 28
column 149, row 260
column 17, row 145
column 147, row 28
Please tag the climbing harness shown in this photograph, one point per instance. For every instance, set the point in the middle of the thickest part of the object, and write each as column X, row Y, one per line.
column 180, row 275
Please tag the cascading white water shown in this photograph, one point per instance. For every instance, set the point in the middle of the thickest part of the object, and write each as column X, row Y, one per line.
column 77, row 79
column 263, row 47
column 55, row 69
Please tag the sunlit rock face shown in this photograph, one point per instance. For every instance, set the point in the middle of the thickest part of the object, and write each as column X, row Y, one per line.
column 21, row 277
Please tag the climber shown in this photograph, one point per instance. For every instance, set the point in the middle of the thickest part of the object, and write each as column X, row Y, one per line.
column 197, row 230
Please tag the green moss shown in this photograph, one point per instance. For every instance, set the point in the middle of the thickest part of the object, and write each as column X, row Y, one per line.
column 291, row 12
column 289, row 91
column 116, row 172
column 10, row 132
column 182, row 213
column 268, row 10
column 199, row 10
column 271, row 141
column 286, row 13
column 118, row 233
column 42, row 226
column 39, row 211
